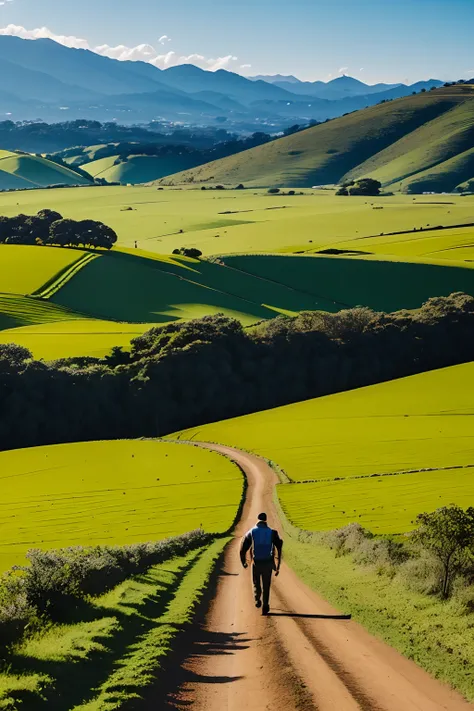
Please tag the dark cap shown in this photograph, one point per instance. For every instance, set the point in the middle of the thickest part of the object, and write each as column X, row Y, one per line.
column 262, row 517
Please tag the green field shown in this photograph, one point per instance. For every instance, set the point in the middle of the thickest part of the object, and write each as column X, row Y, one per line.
column 418, row 143
column 66, row 339
column 111, row 493
column 423, row 422
column 20, row 171
column 226, row 222
column 133, row 287
column 24, row 269
column 136, row 169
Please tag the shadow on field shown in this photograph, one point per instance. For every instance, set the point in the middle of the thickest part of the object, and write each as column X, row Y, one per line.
column 77, row 679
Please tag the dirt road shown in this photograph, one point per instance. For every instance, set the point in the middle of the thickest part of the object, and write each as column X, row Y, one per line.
column 303, row 657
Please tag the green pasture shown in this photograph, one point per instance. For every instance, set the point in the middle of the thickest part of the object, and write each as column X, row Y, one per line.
column 382, row 283
column 226, row 222
column 24, row 268
column 25, row 171
column 136, row 169
column 423, row 422
column 111, row 493
column 67, row 339
column 17, row 311
column 384, row 504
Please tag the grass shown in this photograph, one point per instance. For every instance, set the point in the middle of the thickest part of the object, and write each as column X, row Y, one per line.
column 383, row 505
column 240, row 221
column 24, row 268
column 20, row 171
column 137, row 168
column 67, row 339
column 431, row 632
column 116, row 648
column 18, row 311
column 111, row 493
column 415, row 423
column 398, row 271
column 398, row 139
column 384, row 284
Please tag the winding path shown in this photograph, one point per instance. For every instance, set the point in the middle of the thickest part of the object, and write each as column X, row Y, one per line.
column 303, row 657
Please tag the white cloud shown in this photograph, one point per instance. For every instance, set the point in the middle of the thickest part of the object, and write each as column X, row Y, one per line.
column 142, row 52
column 343, row 70
column 5, row 2
column 246, row 66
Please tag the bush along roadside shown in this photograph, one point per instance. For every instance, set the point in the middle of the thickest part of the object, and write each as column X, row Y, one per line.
column 415, row 592
column 117, row 648
column 56, row 581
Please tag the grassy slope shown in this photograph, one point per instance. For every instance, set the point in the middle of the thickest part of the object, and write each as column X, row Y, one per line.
column 446, row 137
column 19, row 311
column 24, row 268
column 137, row 168
column 414, row 423
column 111, row 493
column 169, row 288
column 63, row 338
column 325, row 153
column 382, row 284
column 115, row 648
column 29, row 171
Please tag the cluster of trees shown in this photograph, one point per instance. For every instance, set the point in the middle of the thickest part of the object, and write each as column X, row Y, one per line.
column 188, row 252
column 189, row 373
column 48, row 227
column 361, row 186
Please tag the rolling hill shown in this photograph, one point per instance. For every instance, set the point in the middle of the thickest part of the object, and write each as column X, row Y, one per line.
column 19, row 171
column 415, row 144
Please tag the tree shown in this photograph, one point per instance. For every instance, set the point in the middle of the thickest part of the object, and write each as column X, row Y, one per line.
column 365, row 186
column 448, row 533
column 192, row 252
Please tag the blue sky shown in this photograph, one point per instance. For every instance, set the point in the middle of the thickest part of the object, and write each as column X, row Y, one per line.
column 375, row 40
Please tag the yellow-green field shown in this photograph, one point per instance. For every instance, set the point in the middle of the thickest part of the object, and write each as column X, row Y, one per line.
column 423, row 422
column 225, row 222
column 66, row 339
column 24, row 268
column 146, row 285
column 386, row 504
column 111, row 493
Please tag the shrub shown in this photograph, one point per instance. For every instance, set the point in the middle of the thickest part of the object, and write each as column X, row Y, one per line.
column 273, row 191
column 447, row 533
column 57, row 580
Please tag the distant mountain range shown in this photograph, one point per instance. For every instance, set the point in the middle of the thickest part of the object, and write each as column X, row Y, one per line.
column 41, row 79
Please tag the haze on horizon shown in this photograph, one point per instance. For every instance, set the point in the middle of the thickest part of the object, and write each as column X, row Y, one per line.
column 311, row 39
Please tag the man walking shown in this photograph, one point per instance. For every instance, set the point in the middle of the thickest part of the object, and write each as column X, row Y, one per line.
column 262, row 542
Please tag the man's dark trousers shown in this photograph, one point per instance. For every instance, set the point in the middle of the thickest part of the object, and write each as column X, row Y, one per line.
column 262, row 579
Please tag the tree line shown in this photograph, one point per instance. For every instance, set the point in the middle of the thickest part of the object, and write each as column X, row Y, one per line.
column 185, row 374
column 48, row 227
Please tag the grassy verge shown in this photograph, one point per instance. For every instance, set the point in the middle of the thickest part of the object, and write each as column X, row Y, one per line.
column 437, row 635
column 116, row 645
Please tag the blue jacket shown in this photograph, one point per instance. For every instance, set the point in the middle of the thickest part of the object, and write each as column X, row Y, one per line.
column 262, row 541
